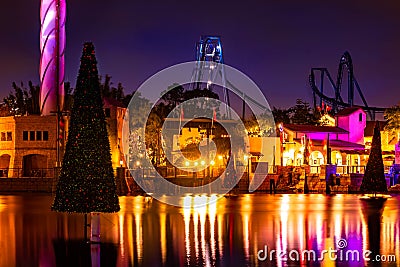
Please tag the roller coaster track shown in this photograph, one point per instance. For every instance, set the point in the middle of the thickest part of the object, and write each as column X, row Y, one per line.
column 209, row 48
column 337, row 101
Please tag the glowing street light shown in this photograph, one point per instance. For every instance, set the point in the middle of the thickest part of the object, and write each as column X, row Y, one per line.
column 247, row 158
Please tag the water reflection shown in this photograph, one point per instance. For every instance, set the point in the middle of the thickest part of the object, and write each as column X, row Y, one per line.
column 208, row 231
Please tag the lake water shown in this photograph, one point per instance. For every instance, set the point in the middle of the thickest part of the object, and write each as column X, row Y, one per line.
column 239, row 230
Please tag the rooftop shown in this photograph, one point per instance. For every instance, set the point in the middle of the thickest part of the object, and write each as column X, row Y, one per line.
column 348, row 111
column 336, row 144
column 304, row 128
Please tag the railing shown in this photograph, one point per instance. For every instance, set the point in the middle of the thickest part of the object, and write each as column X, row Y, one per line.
column 315, row 169
column 350, row 169
column 30, row 173
column 340, row 169
column 173, row 172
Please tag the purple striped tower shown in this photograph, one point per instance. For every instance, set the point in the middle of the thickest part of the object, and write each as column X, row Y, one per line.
column 52, row 48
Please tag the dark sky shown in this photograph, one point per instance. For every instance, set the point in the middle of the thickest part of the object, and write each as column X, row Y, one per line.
column 274, row 42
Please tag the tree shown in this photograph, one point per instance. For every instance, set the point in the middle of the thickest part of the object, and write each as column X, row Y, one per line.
column 137, row 146
column 374, row 177
column 117, row 93
column 392, row 117
column 24, row 100
column 261, row 125
column 302, row 113
column 173, row 96
column 105, row 87
column 200, row 103
column 68, row 97
column 152, row 135
column 86, row 183
column 4, row 110
column 281, row 115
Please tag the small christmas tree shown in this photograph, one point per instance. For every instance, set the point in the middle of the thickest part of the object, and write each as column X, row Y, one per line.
column 86, row 183
column 374, row 177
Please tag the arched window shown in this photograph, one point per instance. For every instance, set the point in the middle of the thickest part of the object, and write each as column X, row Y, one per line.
column 4, row 164
column 336, row 157
column 34, row 165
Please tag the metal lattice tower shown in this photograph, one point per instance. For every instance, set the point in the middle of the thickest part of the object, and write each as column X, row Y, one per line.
column 209, row 56
column 52, row 48
column 210, row 64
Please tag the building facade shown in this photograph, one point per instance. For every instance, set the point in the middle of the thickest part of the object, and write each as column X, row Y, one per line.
column 28, row 144
column 342, row 144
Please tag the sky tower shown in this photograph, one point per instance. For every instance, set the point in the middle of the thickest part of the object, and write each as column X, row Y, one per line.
column 52, row 48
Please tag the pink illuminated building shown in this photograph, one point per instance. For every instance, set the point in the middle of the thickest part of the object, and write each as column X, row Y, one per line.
column 354, row 121
column 345, row 140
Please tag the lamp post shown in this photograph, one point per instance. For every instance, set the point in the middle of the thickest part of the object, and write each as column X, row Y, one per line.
column 212, row 163
column 247, row 157
column 281, row 133
column 328, row 152
column 60, row 131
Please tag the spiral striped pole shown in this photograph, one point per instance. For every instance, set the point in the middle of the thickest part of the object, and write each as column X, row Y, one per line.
column 52, row 48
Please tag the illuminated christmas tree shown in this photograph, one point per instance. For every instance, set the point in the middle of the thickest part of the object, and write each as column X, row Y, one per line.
column 374, row 177
column 86, row 183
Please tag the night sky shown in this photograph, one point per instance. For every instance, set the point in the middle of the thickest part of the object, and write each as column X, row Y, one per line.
column 274, row 42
